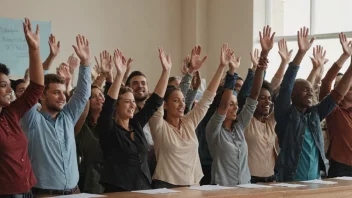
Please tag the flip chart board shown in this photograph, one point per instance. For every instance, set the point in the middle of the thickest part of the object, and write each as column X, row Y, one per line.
column 13, row 45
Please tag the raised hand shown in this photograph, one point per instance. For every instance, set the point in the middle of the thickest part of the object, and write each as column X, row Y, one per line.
column 82, row 50
column 255, row 58
column 196, row 62
column 165, row 60
column 186, row 62
column 54, row 47
column 346, row 45
column 64, row 72
column 73, row 63
column 266, row 39
column 303, row 43
column 234, row 62
column 32, row 38
column 318, row 58
column 129, row 63
column 224, row 55
column 283, row 51
column 105, row 62
column 120, row 62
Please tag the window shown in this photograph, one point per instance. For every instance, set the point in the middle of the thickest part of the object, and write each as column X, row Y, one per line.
column 325, row 18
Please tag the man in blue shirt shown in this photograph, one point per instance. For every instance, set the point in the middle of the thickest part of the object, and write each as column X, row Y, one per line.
column 50, row 132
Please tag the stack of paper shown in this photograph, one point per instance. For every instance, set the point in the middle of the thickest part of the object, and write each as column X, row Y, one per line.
column 210, row 187
column 288, row 185
column 316, row 181
column 343, row 178
column 253, row 186
column 82, row 195
column 157, row 191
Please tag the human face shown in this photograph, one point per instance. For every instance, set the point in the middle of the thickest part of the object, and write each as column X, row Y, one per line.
column 126, row 106
column 264, row 102
column 96, row 100
column 140, row 87
column 5, row 90
column 175, row 105
column 238, row 85
column 175, row 83
column 233, row 108
column 20, row 88
column 54, row 98
column 302, row 95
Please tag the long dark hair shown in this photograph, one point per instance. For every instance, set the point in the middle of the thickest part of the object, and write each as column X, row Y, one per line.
column 169, row 90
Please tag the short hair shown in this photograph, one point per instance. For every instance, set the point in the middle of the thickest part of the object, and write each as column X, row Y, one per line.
column 239, row 78
column 173, row 78
column 52, row 78
column 267, row 85
column 4, row 69
column 133, row 74
column 15, row 83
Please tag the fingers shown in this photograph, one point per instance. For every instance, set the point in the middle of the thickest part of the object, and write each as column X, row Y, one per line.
column 37, row 30
column 205, row 58
column 96, row 60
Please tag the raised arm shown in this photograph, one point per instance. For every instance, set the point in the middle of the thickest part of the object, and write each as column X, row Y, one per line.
column 215, row 81
column 227, row 56
column 127, row 73
column 330, row 76
column 318, row 62
column 36, row 72
column 285, row 55
column 54, row 50
column 156, row 99
column 267, row 43
column 82, row 91
column 283, row 100
column 121, row 67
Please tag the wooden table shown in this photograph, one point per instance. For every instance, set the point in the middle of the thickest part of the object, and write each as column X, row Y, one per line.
column 342, row 189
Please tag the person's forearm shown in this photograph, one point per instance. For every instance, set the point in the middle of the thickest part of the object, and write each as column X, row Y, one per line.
column 312, row 75
column 160, row 87
column 299, row 57
column 257, row 84
column 345, row 83
column 48, row 61
column 115, row 87
column 281, row 71
column 343, row 58
column 124, row 80
column 36, row 72
column 214, row 83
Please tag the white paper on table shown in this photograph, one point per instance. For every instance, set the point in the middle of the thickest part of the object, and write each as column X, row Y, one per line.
column 157, row 191
column 210, row 187
column 343, row 178
column 253, row 186
column 288, row 185
column 81, row 195
column 317, row 181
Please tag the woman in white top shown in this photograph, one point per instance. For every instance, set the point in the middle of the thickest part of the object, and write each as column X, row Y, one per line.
column 176, row 144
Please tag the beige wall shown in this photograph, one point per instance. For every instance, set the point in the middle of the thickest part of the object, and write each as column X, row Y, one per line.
column 138, row 27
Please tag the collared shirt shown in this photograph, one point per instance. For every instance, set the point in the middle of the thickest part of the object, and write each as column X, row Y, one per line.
column 52, row 146
column 229, row 148
column 308, row 164
column 176, row 149
column 126, row 164
column 261, row 139
column 16, row 174
column 92, row 158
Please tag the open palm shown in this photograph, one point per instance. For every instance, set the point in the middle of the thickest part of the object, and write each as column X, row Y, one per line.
column 346, row 45
column 120, row 62
column 303, row 43
column 267, row 39
column 82, row 49
column 196, row 61
column 165, row 60
column 32, row 38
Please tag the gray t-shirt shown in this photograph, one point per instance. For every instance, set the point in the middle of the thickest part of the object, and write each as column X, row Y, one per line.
column 229, row 148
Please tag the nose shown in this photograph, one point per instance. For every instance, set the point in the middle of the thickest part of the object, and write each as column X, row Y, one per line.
column 62, row 97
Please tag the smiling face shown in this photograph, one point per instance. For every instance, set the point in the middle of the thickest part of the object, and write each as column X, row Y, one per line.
column 96, row 100
column 54, row 98
column 5, row 90
column 264, row 102
column 140, row 87
column 302, row 95
column 20, row 88
column 233, row 108
column 175, row 104
column 126, row 106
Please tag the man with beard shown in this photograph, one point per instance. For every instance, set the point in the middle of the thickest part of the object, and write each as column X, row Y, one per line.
column 298, row 124
column 50, row 132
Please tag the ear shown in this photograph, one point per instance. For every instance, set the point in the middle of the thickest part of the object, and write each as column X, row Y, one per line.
column 42, row 97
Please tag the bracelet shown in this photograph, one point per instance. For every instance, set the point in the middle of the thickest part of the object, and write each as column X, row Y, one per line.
column 263, row 63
